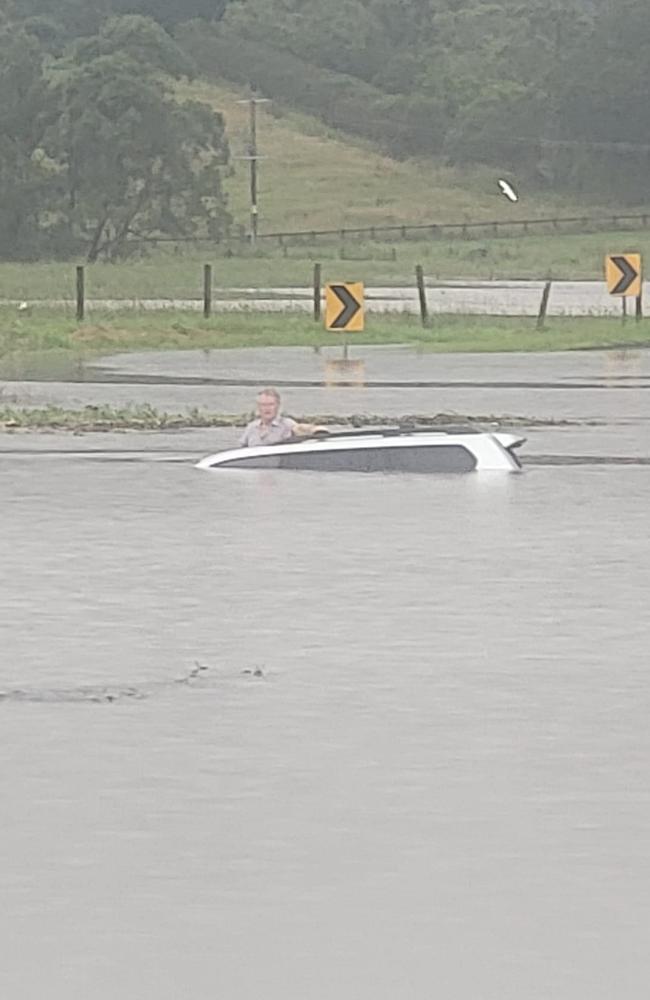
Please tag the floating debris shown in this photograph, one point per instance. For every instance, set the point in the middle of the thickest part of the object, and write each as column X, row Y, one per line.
column 145, row 418
column 100, row 693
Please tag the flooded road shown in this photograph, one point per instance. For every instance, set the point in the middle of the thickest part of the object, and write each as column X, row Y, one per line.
column 415, row 761
column 609, row 387
column 463, row 297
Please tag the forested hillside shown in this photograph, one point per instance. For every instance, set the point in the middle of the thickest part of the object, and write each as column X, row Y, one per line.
column 557, row 89
column 96, row 148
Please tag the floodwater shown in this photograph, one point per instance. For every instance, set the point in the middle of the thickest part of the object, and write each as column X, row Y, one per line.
column 416, row 762
column 479, row 297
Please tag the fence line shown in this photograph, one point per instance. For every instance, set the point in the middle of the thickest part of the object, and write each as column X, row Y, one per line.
column 401, row 299
column 435, row 230
column 496, row 227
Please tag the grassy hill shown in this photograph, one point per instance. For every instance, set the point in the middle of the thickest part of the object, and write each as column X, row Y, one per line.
column 315, row 178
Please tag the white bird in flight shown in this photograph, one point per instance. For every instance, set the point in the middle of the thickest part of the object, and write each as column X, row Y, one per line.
column 507, row 190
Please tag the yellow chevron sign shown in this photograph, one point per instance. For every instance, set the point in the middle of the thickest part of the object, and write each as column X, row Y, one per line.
column 623, row 273
column 344, row 307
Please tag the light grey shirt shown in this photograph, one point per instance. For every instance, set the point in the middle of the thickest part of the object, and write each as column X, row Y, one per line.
column 256, row 434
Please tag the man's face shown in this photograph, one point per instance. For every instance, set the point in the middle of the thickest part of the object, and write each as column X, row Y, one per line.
column 267, row 408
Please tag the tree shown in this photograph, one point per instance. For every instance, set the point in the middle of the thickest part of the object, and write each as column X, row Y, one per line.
column 139, row 38
column 133, row 160
column 342, row 35
column 95, row 148
column 83, row 17
column 27, row 180
column 172, row 12
column 78, row 17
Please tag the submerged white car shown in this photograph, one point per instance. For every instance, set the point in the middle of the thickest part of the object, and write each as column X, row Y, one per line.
column 391, row 449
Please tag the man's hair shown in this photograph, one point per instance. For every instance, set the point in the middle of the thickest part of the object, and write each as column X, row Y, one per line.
column 270, row 391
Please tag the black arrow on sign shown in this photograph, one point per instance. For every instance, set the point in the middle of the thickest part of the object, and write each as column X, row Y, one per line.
column 628, row 275
column 350, row 307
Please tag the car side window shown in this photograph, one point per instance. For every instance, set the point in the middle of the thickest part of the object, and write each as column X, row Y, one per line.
column 413, row 458
column 330, row 460
column 425, row 458
column 252, row 462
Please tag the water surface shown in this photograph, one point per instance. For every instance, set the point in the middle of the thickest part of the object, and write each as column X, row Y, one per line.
column 438, row 784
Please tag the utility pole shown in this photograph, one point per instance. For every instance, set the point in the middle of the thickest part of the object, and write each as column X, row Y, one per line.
column 253, row 157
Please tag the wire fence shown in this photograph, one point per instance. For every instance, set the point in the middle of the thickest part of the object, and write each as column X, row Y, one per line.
column 497, row 227
column 577, row 224
column 501, row 298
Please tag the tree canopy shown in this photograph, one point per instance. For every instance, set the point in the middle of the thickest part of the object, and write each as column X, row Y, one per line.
column 534, row 85
column 95, row 149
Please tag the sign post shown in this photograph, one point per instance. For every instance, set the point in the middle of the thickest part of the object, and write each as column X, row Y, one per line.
column 624, row 277
column 344, row 313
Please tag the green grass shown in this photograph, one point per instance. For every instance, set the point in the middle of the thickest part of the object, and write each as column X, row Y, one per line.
column 47, row 343
column 313, row 177
column 316, row 178
column 165, row 275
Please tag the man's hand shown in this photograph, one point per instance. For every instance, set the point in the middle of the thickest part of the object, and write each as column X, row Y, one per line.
column 307, row 430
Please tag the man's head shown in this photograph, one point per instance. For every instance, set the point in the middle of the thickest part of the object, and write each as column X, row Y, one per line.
column 268, row 405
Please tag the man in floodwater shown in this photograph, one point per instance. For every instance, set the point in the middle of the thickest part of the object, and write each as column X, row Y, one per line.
column 271, row 427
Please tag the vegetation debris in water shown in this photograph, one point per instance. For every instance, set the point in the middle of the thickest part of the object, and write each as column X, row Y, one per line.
column 145, row 418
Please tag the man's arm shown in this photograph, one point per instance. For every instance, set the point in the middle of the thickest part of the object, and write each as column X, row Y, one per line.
column 305, row 430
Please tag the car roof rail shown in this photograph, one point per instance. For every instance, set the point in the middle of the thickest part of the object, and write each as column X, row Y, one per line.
column 399, row 430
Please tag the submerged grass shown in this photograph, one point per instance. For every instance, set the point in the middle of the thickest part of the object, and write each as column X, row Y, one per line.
column 146, row 418
column 107, row 418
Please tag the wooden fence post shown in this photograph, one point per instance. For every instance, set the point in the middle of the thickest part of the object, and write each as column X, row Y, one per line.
column 81, row 294
column 207, row 290
column 543, row 306
column 317, row 286
column 422, row 294
column 639, row 307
